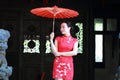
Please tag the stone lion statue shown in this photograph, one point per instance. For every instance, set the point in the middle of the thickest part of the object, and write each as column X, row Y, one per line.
column 5, row 70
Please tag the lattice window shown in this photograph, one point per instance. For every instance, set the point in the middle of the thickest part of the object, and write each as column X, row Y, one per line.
column 31, row 45
column 79, row 35
column 48, row 49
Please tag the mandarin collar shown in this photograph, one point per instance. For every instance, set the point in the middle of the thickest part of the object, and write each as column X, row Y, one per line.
column 67, row 36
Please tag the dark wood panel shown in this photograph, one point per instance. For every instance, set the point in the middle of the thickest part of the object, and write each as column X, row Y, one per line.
column 31, row 59
column 31, row 73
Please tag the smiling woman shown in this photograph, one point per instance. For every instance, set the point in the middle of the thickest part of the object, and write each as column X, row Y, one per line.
column 64, row 48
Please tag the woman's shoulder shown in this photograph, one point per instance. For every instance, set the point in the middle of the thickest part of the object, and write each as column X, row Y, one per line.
column 58, row 37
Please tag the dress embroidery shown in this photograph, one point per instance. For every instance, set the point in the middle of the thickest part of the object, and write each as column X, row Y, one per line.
column 63, row 65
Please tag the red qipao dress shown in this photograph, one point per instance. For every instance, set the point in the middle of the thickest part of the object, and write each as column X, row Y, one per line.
column 63, row 65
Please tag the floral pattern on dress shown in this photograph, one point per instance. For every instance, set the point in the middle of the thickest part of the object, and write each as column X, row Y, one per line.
column 63, row 65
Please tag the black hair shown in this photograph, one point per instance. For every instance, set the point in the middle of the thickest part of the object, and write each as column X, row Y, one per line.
column 69, row 24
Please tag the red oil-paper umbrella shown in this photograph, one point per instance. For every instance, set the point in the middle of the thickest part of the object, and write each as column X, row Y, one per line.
column 54, row 12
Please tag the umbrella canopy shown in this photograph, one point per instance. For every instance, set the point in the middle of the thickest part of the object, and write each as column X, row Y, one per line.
column 54, row 12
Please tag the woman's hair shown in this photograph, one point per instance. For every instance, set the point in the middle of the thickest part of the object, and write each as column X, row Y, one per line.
column 69, row 24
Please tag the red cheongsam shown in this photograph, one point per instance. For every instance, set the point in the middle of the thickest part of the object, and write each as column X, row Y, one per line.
column 63, row 65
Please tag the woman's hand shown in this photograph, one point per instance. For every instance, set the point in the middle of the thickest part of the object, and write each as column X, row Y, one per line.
column 52, row 36
column 57, row 54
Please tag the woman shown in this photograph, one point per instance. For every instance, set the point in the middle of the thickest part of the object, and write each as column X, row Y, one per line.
column 64, row 48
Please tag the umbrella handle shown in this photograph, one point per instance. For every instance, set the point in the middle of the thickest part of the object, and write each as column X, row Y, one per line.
column 53, row 24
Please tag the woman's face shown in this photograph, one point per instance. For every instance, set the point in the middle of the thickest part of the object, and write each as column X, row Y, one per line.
column 64, row 28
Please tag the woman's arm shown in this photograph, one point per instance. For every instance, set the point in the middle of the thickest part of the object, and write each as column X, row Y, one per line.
column 71, row 53
column 54, row 46
column 55, row 50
